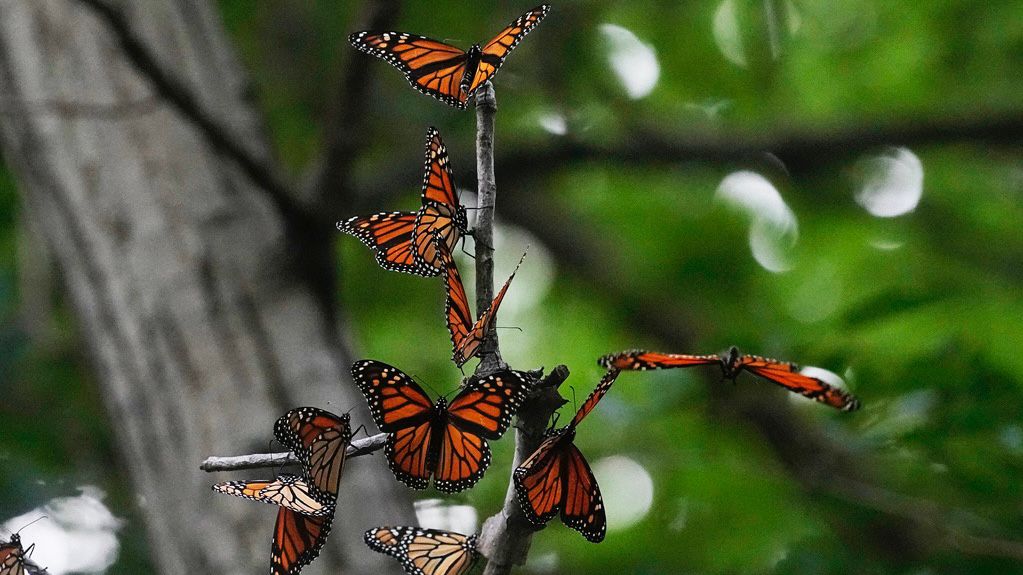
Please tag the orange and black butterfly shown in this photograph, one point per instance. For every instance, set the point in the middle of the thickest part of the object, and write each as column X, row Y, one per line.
column 732, row 363
column 444, row 71
column 319, row 439
column 445, row 441
column 556, row 477
column 467, row 335
column 408, row 241
column 425, row 551
column 12, row 556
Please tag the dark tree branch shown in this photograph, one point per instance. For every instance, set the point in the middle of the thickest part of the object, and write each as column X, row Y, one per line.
column 483, row 234
column 261, row 173
column 328, row 181
column 800, row 150
column 506, row 536
column 260, row 460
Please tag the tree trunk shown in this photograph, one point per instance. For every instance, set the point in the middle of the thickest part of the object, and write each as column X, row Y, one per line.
column 198, row 310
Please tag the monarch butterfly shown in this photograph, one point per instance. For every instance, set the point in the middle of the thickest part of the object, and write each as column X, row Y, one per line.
column 12, row 556
column 444, row 71
column 557, row 478
column 732, row 362
column 425, row 551
column 319, row 439
column 466, row 335
column 407, row 241
column 445, row 441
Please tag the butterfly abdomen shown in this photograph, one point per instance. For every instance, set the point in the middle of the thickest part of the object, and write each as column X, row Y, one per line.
column 472, row 63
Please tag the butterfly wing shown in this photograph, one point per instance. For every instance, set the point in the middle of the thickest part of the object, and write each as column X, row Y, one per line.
column 787, row 375
column 538, row 480
column 403, row 410
column 320, row 439
column 441, row 221
column 462, row 460
column 470, row 344
column 486, row 406
column 456, row 305
column 425, row 551
column 582, row 507
column 12, row 557
column 288, row 491
column 297, row 540
column 638, row 359
column 395, row 400
column 497, row 49
column 408, row 454
column 389, row 234
column 434, row 68
column 595, row 396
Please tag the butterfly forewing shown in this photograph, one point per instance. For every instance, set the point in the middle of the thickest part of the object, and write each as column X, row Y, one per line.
column 498, row 48
column 395, row 399
column 644, row 360
column 320, row 439
column 487, row 405
column 787, row 375
column 470, row 343
column 595, row 396
column 389, row 235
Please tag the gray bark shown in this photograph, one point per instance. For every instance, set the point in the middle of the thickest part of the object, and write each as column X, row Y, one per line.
column 198, row 324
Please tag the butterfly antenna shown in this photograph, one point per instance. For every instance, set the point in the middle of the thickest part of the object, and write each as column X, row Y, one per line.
column 575, row 407
column 424, row 384
column 40, row 518
column 515, row 327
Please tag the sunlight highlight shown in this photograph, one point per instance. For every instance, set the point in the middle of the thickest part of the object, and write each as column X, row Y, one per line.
column 894, row 184
column 436, row 514
column 773, row 226
column 78, row 535
column 634, row 62
column 627, row 488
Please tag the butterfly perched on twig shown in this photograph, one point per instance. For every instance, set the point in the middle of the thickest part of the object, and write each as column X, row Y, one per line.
column 732, row 363
column 409, row 241
column 425, row 551
column 446, row 441
column 306, row 504
column 467, row 335
column 556, row 477
column 442, row 70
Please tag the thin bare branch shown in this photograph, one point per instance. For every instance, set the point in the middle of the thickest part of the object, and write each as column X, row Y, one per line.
column 260, row 460
column 486, row 109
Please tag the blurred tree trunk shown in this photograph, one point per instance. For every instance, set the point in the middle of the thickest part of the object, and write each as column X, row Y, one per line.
column 200, row 313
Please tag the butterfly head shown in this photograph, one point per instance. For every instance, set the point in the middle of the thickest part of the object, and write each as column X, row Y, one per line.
column 15, row 539
column 730, row 362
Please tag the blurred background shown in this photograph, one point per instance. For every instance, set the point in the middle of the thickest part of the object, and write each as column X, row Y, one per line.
column 837, row 183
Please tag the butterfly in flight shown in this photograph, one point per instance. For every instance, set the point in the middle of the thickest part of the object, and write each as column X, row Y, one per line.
column 12, row 556
column 732, row 363
column 444, row 71
column 466, row 335
column 556, row 477
column 425, row 551
column 306, row 504
column 442, row 440
column 409, row 241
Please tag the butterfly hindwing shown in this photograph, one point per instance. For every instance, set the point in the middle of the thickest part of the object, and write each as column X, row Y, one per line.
column 297, row 540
